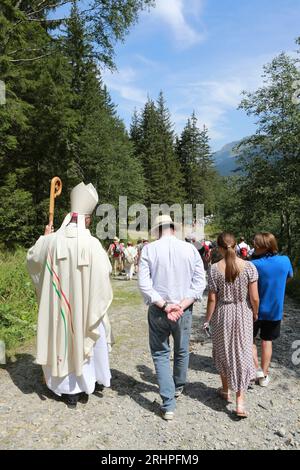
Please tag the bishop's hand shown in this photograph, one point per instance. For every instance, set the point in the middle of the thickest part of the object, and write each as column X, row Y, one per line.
column 49, row 229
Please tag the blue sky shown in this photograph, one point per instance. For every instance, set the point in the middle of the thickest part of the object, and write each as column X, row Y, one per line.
column 202, row 54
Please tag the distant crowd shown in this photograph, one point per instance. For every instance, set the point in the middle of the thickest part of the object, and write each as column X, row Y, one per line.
column 210, row 253
column 125, row 257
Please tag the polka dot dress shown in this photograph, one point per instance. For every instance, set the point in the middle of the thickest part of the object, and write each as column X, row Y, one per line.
column 232, row 327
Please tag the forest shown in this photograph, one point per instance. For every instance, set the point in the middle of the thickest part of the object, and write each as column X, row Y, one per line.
column 59, row 119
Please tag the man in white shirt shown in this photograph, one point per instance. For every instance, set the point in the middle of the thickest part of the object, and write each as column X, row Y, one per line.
column 171, row 279
column 243, row 249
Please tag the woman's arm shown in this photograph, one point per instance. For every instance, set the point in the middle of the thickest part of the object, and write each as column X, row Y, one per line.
column 254, row 298
column 211, row 305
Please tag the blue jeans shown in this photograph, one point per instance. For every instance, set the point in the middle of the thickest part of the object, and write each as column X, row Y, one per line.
column 160, row 329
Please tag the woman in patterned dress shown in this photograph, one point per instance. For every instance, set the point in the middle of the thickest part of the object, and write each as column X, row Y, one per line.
column 232, row 306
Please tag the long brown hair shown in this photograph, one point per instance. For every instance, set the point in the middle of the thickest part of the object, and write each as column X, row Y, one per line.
column 227, row 241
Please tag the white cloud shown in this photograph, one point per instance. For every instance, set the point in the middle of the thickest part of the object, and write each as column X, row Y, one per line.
column 225, row 92
column 123, row 82
column 211, row 101
column 146, row 62
column 173, row 12
column 214, row 99
column 208, row 114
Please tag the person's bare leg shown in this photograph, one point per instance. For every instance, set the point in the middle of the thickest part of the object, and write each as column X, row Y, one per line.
column 255, row 356
column 115, row 266
column 224, row 391
column 131, row 271
column 224, row 384
column 266, row 356
column 240, row 404
column 240, row 398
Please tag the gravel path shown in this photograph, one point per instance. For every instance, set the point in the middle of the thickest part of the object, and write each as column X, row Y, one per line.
column 126, row 416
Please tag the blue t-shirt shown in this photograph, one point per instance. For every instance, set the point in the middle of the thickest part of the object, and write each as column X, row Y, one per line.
column 273, row 273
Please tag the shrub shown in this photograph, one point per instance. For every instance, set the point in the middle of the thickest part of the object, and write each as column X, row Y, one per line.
column 293, row 287
column 18, row 307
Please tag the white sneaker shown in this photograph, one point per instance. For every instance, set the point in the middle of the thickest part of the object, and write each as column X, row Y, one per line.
column 260, row 374
column 167, row 415
column 264, row 382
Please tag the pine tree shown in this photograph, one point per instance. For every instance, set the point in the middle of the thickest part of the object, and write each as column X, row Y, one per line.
column 104, row 150
column 107, row 22
column 166, row 152
column 37, row 93
column 197, row 165
column 55, row 101
column 135, row 129
column 153, row 166
column 153, row 138
column 209, row 178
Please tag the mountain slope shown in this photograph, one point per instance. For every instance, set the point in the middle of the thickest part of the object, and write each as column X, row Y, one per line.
column 225, row 160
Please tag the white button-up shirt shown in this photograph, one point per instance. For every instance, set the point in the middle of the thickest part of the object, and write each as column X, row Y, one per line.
column 171, row 270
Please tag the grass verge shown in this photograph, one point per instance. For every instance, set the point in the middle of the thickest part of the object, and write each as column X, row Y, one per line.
column 18, row 308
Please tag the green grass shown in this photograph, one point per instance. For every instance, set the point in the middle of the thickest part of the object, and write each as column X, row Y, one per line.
column 124, row 297
column 18, row 307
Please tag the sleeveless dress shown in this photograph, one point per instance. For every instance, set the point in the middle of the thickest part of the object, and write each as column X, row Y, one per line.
column 232, row 327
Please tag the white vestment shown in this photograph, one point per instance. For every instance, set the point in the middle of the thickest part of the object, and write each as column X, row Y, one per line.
column 74, row 295
column 96, row 369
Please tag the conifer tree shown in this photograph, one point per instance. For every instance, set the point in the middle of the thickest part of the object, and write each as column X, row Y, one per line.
column 166, row 152
column 58, row 118
column 153, row 137
column 197, row 165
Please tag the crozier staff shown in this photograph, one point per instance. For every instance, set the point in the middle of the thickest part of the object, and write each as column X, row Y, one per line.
column 55, row 191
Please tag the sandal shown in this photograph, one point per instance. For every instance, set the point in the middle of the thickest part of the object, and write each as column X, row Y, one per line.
column 224, row 395
column 240, row 412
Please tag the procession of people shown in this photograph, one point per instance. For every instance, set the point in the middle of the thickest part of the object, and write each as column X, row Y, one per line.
column 72, row 273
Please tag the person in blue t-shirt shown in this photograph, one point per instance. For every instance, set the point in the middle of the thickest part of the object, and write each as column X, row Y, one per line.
column 274, row 271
